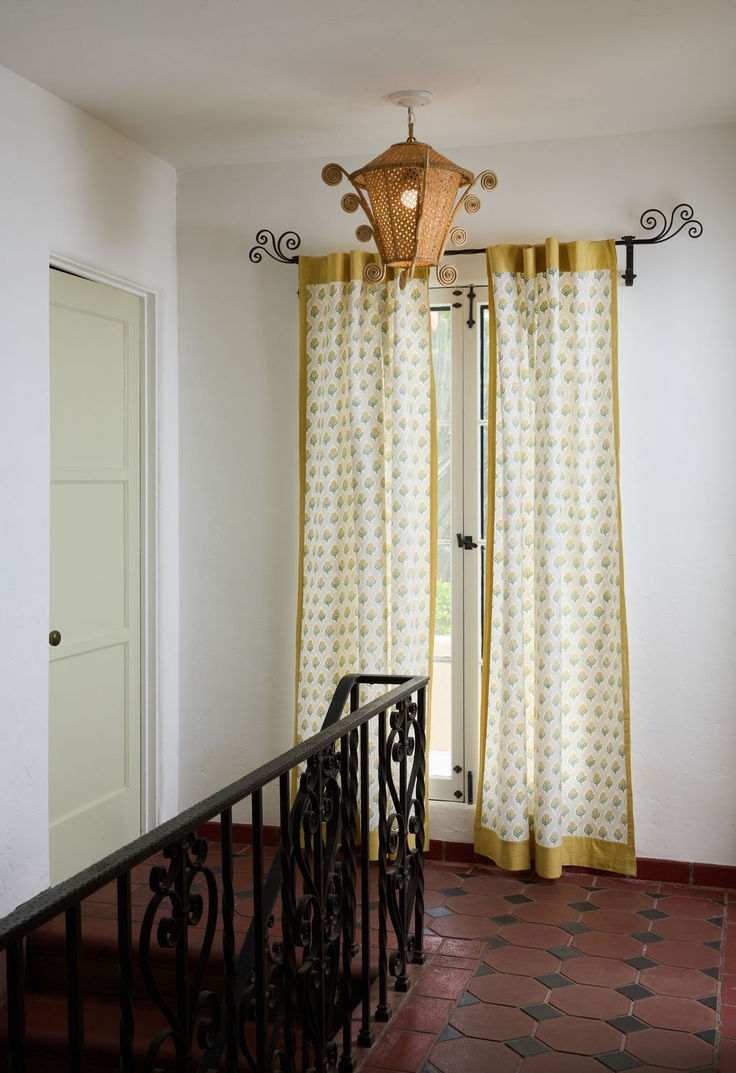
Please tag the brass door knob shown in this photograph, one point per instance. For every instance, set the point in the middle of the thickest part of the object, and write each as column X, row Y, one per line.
column 54, row 638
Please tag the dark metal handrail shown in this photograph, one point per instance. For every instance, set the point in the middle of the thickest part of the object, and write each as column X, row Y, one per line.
column 316, row 876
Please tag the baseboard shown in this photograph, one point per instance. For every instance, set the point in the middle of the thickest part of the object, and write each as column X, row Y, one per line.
column 651, row 868
column 654, row 869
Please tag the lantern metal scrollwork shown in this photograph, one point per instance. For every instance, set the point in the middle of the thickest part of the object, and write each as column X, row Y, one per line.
column 410, row 196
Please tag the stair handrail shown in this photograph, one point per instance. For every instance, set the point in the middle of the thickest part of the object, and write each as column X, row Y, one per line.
column 329, row 758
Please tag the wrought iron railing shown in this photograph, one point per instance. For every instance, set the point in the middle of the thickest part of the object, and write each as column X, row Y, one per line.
column 279, row 1003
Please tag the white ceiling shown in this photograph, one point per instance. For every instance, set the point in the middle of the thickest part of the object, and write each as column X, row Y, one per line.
column 204, row 82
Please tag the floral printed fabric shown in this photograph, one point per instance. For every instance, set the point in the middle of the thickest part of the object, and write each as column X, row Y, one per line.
column 366, row 577
column 555, row 787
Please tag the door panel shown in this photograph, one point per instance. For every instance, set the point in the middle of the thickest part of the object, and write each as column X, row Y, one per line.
column 94, row 703
column 460, row 361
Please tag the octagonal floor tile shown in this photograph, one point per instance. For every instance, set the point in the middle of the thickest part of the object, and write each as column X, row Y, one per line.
column 539, row 936
column 496, row 886
column 460, row 926
column 601, row 944
column 686, row 955
column 560, row 1062
column 487, row 1021
column 473, row 1056
column 615, row 920
column 679, row 982
column 678, row 1050
column 507, row 990
column 603, row 972
column 579, row 1035
column 478, row 905
column 437, row 878
column 521, row 961
column 681, row 1014
column 583, row 1000
column 545, row 913
column 687, row 929
column 555, row 892
column 696, row 908
column 621, row 900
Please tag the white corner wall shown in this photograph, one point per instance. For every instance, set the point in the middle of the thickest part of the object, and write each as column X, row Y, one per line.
column 72, row 187
column 239, row 451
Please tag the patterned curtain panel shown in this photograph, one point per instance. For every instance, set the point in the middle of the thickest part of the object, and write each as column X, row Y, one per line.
column 367, row 480
column 555, row 786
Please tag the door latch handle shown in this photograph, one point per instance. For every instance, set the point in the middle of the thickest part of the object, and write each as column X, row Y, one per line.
column 465, row 542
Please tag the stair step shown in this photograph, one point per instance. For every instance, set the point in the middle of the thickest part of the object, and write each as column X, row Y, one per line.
column 46, row 1033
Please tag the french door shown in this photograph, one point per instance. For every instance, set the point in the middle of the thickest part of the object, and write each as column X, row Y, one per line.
column 460, row 360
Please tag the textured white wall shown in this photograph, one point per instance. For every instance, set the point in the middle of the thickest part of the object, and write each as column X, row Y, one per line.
column 72, row 187
column 239, row 450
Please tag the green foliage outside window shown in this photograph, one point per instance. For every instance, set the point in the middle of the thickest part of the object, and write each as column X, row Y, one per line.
column 442, row 608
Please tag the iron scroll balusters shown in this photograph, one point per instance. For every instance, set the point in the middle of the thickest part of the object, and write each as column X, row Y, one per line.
column 174, row 890
column 681, row 217
column 272, row 1003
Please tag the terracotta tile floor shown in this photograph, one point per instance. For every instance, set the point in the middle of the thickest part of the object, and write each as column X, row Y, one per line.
column 579, row 975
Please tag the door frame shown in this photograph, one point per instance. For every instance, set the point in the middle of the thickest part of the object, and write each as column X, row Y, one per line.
column 149, row 528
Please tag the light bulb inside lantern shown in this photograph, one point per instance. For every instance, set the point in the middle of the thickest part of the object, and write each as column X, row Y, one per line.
column 409, row 197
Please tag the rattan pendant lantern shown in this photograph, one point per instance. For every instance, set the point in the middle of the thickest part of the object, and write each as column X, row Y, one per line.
column 410, row 197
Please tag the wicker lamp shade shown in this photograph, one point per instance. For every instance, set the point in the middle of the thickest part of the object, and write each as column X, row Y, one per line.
column 411, row 190
column 410, row 196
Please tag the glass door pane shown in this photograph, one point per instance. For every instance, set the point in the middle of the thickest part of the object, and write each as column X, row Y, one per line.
column 445, row 744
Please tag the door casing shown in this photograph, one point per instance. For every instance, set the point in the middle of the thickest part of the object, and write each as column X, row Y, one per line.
column 148, row 529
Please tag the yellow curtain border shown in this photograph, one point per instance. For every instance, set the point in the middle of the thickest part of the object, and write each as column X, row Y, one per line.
column 584, row 256
column 548, row 862
column 594, row 256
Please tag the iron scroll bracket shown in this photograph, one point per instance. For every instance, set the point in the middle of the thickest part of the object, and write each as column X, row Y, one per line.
column 682, row 217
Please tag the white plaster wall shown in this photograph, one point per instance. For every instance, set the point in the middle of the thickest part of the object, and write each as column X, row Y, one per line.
column 239, row 451
column 72, row 187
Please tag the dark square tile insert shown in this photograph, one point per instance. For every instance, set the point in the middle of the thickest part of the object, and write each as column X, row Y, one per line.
column 527, row 1046
column 619, row 1060
column 553, row 980
column 542, row 1011
column 448, row 1032
column 708, row 1036
column 516, row 899
column 441, row 911
column 641, row 963
column 718, row 921
column 711, row 1002
column 713, row 973
column 647, row 937
column 485, row 970
column 452, row 892
column 584, row 907
column 496, row 944
column 564, row 953
column 574, row 929
column 468, row 1000
column 505, row 919
column 634, row 991
column 627, row 1024
column 652, row 914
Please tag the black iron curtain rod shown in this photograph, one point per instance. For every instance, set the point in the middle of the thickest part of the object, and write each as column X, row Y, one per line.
column 682, row 216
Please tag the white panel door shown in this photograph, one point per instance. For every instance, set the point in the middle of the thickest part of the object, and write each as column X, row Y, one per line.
column 95, row 707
